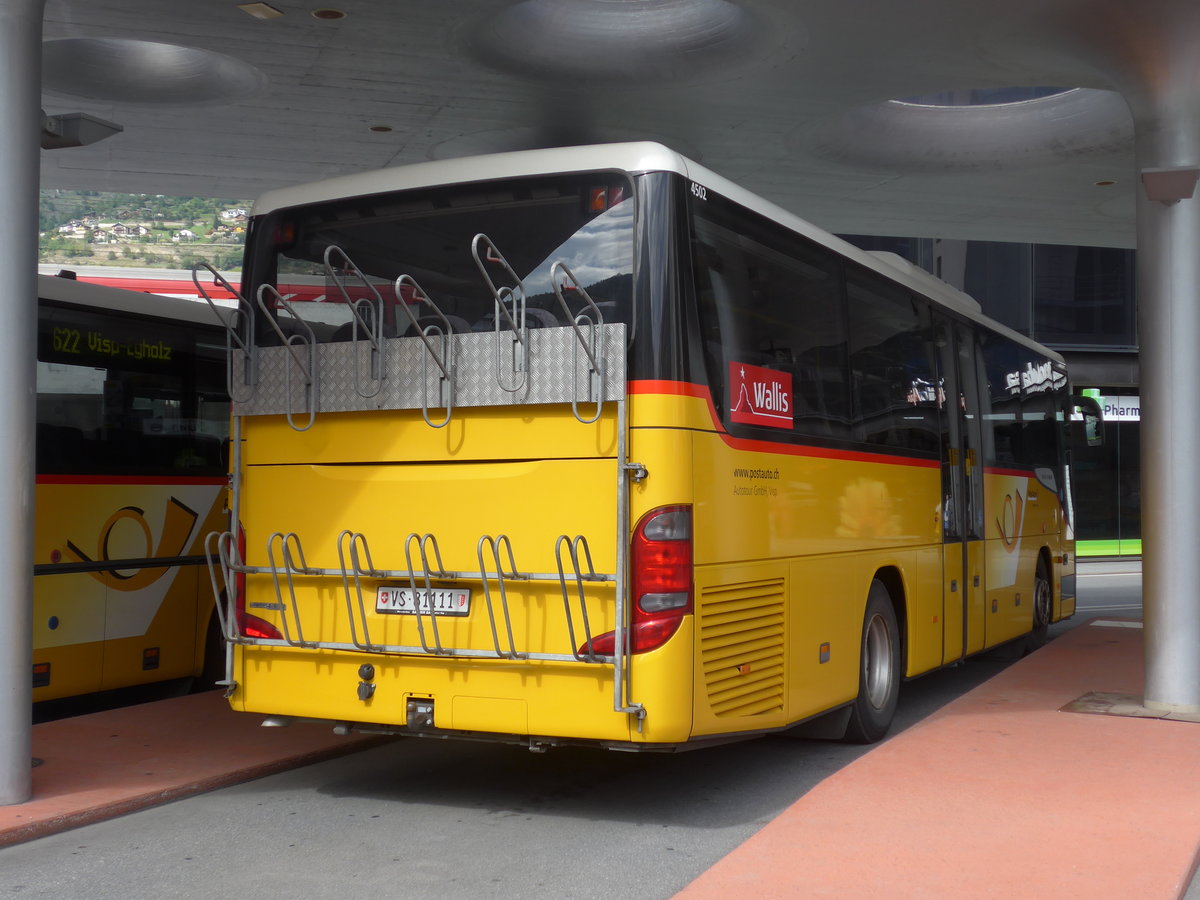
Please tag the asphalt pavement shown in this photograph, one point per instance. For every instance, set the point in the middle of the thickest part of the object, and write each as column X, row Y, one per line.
column 1003, row 791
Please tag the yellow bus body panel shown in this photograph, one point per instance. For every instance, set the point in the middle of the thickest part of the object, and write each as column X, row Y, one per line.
column 787, row 541
column 499, row 697
column 524, row 495
column 1024, row 523
column 101, row 631
column 473, row 434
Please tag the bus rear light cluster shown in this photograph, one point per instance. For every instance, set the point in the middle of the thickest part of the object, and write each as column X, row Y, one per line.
column 249, row 625
column 660, row 565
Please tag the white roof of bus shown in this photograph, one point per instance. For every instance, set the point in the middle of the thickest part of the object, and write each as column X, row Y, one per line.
column 99, row 296
column 634, row 157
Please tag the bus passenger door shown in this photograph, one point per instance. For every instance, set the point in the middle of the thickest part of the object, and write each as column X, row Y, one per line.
column 962, row 494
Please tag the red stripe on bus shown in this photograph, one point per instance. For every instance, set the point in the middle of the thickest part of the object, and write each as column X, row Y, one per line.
column 684, row 388
column 129, row 479
column 700, row 392
column 161, row 285
column 1015, row 473
column 827, row 453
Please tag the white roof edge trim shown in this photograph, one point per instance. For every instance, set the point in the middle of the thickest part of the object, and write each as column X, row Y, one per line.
column 632, row 157
column 105, row 298
column 932, row 284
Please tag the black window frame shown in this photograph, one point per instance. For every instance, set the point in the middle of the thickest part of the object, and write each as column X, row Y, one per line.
column 116, row 446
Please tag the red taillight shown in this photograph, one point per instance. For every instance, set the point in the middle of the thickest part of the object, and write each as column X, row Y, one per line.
column 284, row 236
column 643, row 636
column 253, row 627
column 660, row 565
column 249, row 625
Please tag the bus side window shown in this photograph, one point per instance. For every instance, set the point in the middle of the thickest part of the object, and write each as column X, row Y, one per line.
column 1002, row 405
column 891, row 366
column 776, row 306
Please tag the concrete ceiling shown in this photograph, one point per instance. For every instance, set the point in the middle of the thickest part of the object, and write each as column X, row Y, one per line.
column 791, row 98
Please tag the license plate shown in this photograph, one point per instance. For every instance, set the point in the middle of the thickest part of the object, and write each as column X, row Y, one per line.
column 441, row 601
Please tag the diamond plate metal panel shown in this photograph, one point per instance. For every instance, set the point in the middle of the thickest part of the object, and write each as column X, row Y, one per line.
column 488, row 370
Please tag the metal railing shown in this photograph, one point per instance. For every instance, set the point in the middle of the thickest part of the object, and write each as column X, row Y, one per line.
column 423, row 568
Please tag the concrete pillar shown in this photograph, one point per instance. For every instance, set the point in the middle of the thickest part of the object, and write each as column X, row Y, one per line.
column 20, row 148
column 1150, row 51
column 1168, row 264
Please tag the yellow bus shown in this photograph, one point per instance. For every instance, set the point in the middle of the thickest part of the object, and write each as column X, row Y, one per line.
column 591, row 445
column 132, row 426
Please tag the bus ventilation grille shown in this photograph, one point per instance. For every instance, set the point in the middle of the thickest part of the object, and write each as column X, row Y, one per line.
column 741, row 647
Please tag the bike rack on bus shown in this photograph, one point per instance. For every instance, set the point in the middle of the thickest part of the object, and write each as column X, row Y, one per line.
column 357, row 566
column 590, row 343
column 307, row 367
column 514, row 322
column 573, row 546
column 241, row 312
column 443, row 360
column 291, row 550
column 372, row 330
column 286, row 560
column 358, row 549
column 224, row 547
column 283, row 567
column 424, row 541
column 496, row 543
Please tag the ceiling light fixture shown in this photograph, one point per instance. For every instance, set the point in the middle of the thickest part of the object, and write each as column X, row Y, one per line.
column 1104, row 182
column 260, row 10
column 75, row 130
column 329, row 15
column 379, row 129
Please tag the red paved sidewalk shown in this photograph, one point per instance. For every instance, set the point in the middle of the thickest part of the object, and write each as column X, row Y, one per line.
column 110, row 763
column 999, row 794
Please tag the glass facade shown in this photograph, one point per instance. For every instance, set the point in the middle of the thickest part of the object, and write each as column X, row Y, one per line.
column 1083, row 297
column 1080, row 301
column 1108, row 506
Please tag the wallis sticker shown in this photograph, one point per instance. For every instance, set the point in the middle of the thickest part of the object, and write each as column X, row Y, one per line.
column 760, row 396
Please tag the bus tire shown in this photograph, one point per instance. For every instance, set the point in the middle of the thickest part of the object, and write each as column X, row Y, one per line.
column 874, row 708
column 1043, row 607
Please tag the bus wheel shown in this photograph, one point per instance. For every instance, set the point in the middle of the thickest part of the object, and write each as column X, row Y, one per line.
column 1043, row 608
column 872, row 712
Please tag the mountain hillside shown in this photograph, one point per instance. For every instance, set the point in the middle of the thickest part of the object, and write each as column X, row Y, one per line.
column 96, row 228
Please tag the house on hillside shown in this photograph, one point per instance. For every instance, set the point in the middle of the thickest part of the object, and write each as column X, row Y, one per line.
column 121, row 230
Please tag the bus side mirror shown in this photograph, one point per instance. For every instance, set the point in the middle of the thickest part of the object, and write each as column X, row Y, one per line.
column 1093, row 419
